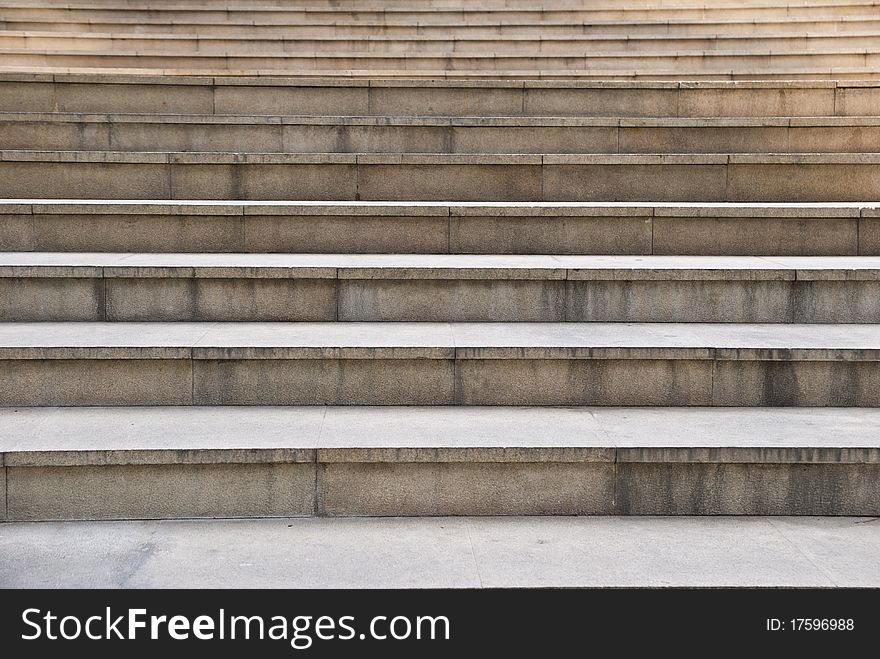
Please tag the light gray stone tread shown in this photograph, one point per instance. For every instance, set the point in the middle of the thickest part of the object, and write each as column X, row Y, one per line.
column 531, row 121
column 438, row 266
column 202, row 435
column 439, row 340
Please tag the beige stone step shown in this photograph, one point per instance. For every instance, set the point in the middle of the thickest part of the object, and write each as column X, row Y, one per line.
column 546, row 364
column 538, row 46
column 84, row 93
column 436, row 228
column 437, row 288
column 383, row 134
column 797, row 177
column 489, row 28
column 425, row 14
column 167, row 462
column 714, row 62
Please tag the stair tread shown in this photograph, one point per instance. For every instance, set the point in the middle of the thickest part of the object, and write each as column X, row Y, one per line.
column 107, row 435
column 440, row 340
column 433, row 266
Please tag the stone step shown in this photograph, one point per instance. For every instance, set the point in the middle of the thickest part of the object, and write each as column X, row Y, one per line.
column 547, row 364
column 117, row 93
column 799, row 177
column 378, row 134
column 163, row 462
column 438, row 288
column 849, row 74
column 711, row 61
column 419, row 13
column 437, row 228
column 539, row 46
column 320, row 28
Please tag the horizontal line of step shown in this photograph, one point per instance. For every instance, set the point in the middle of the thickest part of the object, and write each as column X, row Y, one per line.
column 437, row 228
column 517, row 121
column 437, row 288
column 438, row 266
column 428, row 158
column 546, row 364
column 543, row 135
column 270, row 95
column 799, row 177
column 237, row 462
column 76, row 436
column 440, row 341
column 337, row 45
column 237, row 26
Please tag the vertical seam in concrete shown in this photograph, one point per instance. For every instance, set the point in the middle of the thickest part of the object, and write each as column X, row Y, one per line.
column 213, row 96
column 727, row 179
column 102, row 303
column 542, row 177
column 370, row 97
column 615, row 484
column 192, row 377
column 859, row 232
column 678, row 100
column 336, row 284
column 318, row 503
column 242, row 238
column 653, row 217
column 835, row 101
column 357, row 178
column 33, row 236
column 455, row 392
column 714, row 370
column 449, row 229
column 5, row 491
column 170, row 180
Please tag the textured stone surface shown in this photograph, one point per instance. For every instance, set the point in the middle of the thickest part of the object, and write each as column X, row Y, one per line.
column 160, row 491
column 96, row 382
column 464, row 489
column 737, row 489
column 321, row 382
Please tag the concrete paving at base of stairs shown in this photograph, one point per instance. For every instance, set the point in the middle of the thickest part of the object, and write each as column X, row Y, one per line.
column 462, row 552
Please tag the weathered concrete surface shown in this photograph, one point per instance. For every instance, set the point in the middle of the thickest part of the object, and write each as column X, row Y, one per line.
column 443, row 553
column 83, row 463
column 160, row 491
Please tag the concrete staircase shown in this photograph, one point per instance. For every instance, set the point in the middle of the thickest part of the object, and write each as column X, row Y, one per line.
column 370, row 288
column 678, row 39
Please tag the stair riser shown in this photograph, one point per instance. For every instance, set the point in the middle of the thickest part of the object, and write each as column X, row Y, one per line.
column 330, row 29
column 441, row 234
column 696, row 62
column 357, row 98
column 268, row 138
column 441, row 381
column 641, row 181
column 456, row 300
column 437, row 488
column 442, row 16
column 381, row 45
